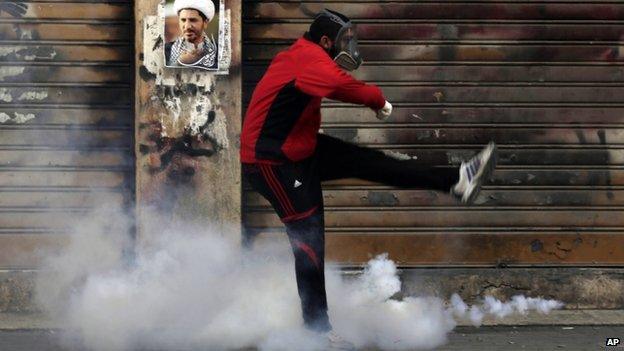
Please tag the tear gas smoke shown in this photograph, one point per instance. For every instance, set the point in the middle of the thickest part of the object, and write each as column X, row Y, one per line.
column 195, row 288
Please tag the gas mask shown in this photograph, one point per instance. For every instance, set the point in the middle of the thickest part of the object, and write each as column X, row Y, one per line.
column 345, row 49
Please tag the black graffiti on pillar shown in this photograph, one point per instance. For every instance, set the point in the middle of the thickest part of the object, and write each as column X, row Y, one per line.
column 200, row 145
column 145, row 74
column 14, row 8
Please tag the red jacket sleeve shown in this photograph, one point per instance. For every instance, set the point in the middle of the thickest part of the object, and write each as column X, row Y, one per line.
column 323, row 78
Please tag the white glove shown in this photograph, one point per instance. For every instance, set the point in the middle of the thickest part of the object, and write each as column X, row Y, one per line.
column 385, row 111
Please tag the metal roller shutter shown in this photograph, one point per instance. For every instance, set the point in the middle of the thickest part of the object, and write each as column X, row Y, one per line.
column 543, row 79
column 66, row 119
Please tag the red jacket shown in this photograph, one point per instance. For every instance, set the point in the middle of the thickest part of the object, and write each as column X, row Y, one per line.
column 284, row 115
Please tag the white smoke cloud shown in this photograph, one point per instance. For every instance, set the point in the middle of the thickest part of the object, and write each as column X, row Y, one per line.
column 196, row 288
column 364, row 313
column 498, row 309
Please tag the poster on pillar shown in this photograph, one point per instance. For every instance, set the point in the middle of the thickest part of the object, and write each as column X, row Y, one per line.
column 193, row 34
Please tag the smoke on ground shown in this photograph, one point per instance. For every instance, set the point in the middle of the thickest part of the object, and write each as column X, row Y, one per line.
column 195, row 288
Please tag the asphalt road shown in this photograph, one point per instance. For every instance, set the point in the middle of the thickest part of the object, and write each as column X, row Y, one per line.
column 534, row 338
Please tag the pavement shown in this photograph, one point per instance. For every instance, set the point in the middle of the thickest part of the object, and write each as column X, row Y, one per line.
column 535, row 338
column 578, row 330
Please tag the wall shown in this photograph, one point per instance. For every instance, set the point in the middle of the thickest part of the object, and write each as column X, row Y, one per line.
column 542, row 79
column 66, row 127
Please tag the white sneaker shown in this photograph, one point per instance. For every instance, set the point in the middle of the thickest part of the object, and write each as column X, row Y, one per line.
column 473, row 172
column 336, row 342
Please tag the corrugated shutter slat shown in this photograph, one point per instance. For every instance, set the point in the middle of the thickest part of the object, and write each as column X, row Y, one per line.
column 66, row 120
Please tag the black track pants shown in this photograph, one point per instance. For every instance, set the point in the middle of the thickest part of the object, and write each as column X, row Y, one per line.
column 294, row 191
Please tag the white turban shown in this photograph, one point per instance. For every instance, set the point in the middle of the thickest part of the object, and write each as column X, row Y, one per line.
column 204, row 6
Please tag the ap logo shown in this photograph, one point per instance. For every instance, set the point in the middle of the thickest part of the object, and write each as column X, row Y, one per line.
column 613, row 341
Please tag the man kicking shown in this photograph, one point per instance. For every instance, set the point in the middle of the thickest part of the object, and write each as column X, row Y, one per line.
column 285, row 159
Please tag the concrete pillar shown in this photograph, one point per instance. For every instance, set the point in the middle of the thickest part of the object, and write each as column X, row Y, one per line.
column 187, row 127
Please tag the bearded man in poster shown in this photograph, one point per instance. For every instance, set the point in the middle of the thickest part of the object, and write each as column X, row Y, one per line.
column 193, row 48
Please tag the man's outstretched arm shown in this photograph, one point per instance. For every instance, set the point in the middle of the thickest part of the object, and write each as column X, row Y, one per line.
column 324, row 78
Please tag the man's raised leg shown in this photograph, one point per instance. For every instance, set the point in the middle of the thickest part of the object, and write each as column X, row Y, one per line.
column 339, row 159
